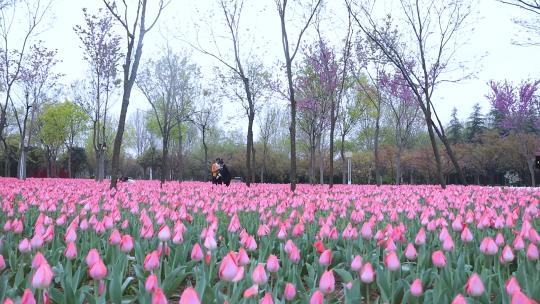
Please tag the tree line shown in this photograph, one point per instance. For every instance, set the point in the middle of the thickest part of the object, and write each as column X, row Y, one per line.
column 371, row 93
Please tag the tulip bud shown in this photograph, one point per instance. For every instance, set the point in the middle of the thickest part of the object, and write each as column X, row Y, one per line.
column 416, row 288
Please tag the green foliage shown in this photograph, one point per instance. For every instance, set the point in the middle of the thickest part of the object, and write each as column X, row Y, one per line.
column 61, row 123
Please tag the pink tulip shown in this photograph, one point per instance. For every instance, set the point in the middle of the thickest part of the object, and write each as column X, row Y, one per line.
column 519, row 297
column 98, row 271
column 70, row 236
column 164, row 233
column 420, row 237
column 327, row 283
column 474, row 286
column 28, row 297
column 512, row 285
column 416, row 288
column 71, row 251
column 92, row 257
column 448, row 244
column 8, row 301
column 267, row 299
column 272, row 264
column 459, row 299
column 532, row 252
column 38, row 260
column 438, row 258
column 488, row 246
column 115, row 238
column 326, row 258
column 356, row 263
column 259, row 276
column 210, row 242
column 239, row 275
column 391, row 261
column 499, row 239
column 25, row 246
column 151, row 261
column 189, row 296
column 2, row 263
column 518, row 244
column 251, row 291
column 410, row 252
column 126, row 243
column 507, row 254
column 151, row 282
column 158, row 297
column 228, row 268
column 466, row 235
column 317, row 298
column 36, row 241
column 242, row 257
column 196, row 253
column 290, row 292
column 42, row 277
column 367, row 275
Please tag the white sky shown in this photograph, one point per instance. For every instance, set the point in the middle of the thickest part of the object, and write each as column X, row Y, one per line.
column 492, row 37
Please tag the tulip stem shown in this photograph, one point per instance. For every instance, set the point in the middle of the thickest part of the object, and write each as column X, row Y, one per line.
column 39, row 296
column 96, row 292
column 367, row 293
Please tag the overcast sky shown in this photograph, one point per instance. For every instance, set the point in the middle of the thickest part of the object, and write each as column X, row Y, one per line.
column 489, row 48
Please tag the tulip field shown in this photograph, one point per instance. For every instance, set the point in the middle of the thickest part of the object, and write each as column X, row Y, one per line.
column 76, row 241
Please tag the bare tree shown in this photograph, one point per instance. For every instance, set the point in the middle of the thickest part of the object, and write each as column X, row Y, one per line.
column 164, row 83
column 35, row 77
column 531, row 27
column 102, row 52
column 290, row 51
column 425, row 59
column 131, row 62
column 246, row 73
column 204, row 117
column 14, row 46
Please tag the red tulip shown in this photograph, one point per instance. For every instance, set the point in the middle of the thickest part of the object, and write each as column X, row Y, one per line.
column 126, row 243
column 317, row 298
column 259, row 276
column 327, row 283
column 416, row 288
column 474, row 286
column 438, row 258
column 208, row 257
column 151, row 261
column 319, row 246
column 151, row 282
column 28, row 297
column 42, row 277
column 326, row 258
column 98, row 271
column 290, row 292
column 189, row 296
column 272, row 264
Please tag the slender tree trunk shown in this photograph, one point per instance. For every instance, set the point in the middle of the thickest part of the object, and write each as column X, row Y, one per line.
column 530, row 165
column 378, row 177
column 21, row 174
column 263, row 166
column 451, row 155
column 165, row 159
column 343, row 160
column 180, row 156
column 312, row 163
column 249, row 146
column 292, row 127
column 69, row 152
column 435, row 151
column 101, row 165
column 206, row 172
column 332, row 130
column 321, row 163
column 398, row 167
column 253, row 173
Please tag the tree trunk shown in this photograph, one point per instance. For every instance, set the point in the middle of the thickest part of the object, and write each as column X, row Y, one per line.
column 398, row 167
column 263, row 166
column 332, row 130
column 321, row 163
column 378, row 177
column 21, row 169
column 180, row 156
column 344, row 166
column 530, row 165
column 435, row 151
column 451, row 154
column 165, row 159
column 205, row 156
column 253, row 163
column 249, row 146
column 292, row 127
column 312, row 164
column 70, row 174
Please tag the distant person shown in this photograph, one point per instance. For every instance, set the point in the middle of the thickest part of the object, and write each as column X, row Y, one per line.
column 225, row 175
column 215, row 171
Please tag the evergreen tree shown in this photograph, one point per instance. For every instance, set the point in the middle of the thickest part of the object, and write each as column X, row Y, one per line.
column 455, row 130
column 476, row 124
